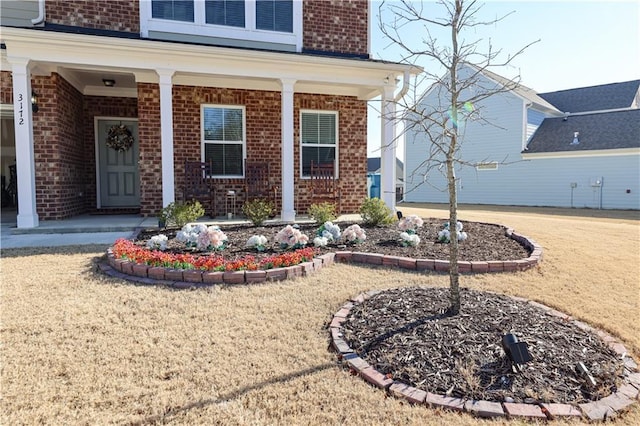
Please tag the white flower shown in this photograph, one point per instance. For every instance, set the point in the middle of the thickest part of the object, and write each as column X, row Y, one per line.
column 290, row 237
column 320, row 241
column 444, row 236
column 411, row 240
column 332, row 231
column 257, row 241
column 211, row 238
column 158, row 242
column 354, row 234
column 189, row 234
column 410, row 223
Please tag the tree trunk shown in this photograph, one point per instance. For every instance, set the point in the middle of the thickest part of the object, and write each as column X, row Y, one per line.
column 454, row 276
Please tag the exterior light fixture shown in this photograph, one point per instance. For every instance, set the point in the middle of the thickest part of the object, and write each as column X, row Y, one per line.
column 108, row 82
column 34, row 102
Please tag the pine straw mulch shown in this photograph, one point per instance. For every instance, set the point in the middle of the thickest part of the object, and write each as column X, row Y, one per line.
column 484, row 242
column 405, row 333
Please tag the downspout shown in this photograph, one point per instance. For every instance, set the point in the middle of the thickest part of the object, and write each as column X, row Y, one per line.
column 40, row 18
column 525, row 119
column 405, row 86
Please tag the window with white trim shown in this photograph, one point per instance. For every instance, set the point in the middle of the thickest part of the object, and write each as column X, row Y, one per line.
column 175, row 10
column 270, row 15
column 274, row 15
column 223, row 139
column 318, row 139
column 487, row 166
column 225, row 12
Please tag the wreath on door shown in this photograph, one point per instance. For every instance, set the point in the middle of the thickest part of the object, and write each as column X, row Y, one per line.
column 119, row 138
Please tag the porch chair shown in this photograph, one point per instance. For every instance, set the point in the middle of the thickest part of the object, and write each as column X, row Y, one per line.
column 257, row 185
column 198, row 185
column 324, row 185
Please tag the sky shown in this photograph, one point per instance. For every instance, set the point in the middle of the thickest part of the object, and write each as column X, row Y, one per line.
column 582, row 43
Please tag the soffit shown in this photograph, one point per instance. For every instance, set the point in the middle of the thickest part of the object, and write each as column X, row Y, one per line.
column 201, row 65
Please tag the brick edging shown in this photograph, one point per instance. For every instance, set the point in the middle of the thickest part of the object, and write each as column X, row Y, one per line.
column 603, row 409
column 187, row 278
column 179, row 278
column 535, row 257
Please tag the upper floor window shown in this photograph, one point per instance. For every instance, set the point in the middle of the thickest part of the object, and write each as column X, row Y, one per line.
column 175, row 10
column 225, row 12
column 270, row 15
column 274, row 15
column 264, row 24
column 318, row 138
column 223, row 139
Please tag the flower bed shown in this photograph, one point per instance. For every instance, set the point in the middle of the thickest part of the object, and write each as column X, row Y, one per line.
column 242, row 254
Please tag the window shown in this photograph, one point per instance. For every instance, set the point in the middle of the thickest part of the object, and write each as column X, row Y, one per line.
column 274, row 15
column 318, row 138
column 262, row 24
column 175, row 10
column 487, row 166
column 225, row 12
column 223, row 139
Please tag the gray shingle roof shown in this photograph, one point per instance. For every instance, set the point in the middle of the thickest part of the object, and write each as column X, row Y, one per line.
column 594, row 98
column 610, row 130
column 521, row 90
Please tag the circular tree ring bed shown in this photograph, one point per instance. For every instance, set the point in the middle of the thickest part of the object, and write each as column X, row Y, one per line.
column 402, row 341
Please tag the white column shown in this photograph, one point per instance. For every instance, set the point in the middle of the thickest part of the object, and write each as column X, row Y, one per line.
column 25, row 159
column 288, row 213
column 388, row 149
column 166, row 136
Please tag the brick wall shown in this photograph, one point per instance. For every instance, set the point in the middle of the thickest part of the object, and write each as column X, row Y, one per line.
column 352, row 148
column 150, row 148
column 262, row 128
column 118, row 15
column 264, row 139
column 58, row 148
column 100, row 106
column 336, row 26
column 6, row 87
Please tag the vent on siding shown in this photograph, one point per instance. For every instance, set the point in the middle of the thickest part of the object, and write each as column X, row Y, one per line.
column 576, row 138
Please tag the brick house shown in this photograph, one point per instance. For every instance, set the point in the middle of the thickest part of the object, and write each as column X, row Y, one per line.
column 195, row 80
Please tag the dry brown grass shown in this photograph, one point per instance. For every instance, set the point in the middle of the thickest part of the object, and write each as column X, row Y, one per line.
column 80, row 348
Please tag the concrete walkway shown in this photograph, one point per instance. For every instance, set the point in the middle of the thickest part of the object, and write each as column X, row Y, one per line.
column 92, row 229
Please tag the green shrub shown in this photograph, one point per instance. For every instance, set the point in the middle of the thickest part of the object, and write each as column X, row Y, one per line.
column 257, row 210
column 375, row 212
column 322, row 212
column 179, row 214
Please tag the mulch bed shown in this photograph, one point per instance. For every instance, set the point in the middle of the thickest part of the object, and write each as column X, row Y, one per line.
column 406, row 334
column 485, row 241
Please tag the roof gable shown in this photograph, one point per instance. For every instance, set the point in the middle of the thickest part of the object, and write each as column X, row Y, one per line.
column 594, row 98
column 598, row 131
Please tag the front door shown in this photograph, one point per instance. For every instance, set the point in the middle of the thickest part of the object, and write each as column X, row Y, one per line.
column 119, row 181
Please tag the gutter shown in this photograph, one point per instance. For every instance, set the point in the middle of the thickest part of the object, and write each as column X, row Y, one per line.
column 405, row 86
column 40, row 18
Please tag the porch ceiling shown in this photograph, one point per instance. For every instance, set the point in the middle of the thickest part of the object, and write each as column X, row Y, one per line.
column 85, row 60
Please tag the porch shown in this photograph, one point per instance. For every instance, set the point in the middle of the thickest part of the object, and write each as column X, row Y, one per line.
column 96, row 229
column 253, row 106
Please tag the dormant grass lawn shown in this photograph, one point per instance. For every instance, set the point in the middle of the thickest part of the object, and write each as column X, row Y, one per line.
column 81, row 348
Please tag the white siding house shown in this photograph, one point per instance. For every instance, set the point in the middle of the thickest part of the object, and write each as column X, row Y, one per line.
column 521, row 152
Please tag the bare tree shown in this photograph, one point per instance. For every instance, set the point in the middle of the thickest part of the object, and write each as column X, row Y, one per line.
column 459, row 65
